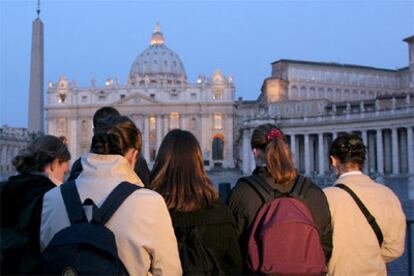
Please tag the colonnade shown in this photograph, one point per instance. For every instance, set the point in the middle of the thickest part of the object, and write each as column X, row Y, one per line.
column 390, row 151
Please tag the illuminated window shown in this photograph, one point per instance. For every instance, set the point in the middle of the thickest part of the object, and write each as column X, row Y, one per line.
column 218, row 94
column 152, row 123
column 174, row 120
column 218, row 121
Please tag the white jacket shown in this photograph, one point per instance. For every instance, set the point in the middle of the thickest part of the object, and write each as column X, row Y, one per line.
column 355, row 246
column 142, row 225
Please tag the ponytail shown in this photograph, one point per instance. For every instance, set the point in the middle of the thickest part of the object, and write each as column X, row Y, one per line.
column 279, row 161
column 271, row 141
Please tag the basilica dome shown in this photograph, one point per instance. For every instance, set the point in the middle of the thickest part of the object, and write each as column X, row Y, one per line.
column 158, row 62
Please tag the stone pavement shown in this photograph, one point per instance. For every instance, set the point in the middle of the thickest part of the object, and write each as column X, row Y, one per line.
column 397, row 184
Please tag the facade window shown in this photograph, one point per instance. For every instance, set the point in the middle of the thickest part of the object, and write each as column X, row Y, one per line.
column 84, row 99
column 152, row 96
column 193, row 123
column 218, row 147
column 174, row 120
column 152, row 123
column 122, row 96
column 61, row 126
column 307, row 108
column 218, row 94
column 101, row 97
column 153, row 153
column 287, row 108
column 298, row 108
column 193, row 96
column 218, row 121
column 61, row 98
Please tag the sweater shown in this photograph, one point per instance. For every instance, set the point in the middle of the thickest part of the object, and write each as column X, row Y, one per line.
column 245, row 203
column 219, row 233
column 356, row 250
column 21, row 204
column 142, row 226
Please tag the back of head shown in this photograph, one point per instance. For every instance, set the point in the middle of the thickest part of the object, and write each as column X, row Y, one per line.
column 41, row 152
column 270, row 140
column 178, row 173
column 102, row 113
column 349, row 150
column 117, row 135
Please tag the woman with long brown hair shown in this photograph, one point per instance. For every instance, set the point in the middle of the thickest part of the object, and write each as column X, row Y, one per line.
column 276, row 175
column 198, row 215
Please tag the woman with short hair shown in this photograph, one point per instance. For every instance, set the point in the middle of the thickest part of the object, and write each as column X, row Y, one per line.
column 41, row 167
column 356, row 248
column 195, row 208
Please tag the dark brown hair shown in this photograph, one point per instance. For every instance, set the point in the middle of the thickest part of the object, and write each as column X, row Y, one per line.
column 349, row 150
column 178, row 173
column 277, row 153
column 41, row 152
column 116, row 135
column 104, row 112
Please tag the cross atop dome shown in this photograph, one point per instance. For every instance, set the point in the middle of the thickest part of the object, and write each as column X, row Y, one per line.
column 157, row 37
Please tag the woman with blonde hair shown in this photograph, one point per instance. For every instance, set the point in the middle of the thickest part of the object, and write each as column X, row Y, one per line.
column 203, row 225
column 275, row 176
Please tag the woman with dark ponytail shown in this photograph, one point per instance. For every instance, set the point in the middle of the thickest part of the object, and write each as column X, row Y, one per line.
column 276, row 173
column 41, row 167
column 142, row 226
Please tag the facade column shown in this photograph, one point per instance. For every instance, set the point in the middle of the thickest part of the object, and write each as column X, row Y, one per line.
column 159, row 135
column 410, row 149
column 182, row 121
column 146, row 138
column 395, row 155
column 364, row 136
column 380, row 154
column 321, row 154
column 293, row 148
column 245, row 153
column 164, row 125
column 307, row 161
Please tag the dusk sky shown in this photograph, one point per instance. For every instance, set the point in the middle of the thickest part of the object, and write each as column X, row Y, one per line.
column 101, row 39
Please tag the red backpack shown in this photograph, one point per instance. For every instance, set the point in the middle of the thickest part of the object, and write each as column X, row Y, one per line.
column 284, row 238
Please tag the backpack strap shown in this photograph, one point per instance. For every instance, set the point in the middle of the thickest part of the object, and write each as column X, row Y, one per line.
column 299, row 188
column 115, row 199
column 262, row 188
column 370, row 218
column 72, row 201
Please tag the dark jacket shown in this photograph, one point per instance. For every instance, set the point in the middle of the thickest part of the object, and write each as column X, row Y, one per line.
column 21, row 206
column 219, row 234
column 245, row 203
column 141, row 169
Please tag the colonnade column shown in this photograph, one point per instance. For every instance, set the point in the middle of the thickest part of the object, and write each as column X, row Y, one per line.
column 364, row 136
column 164, row 124
column 293, row 148
column 307, row 163
column 159, row 135
column 245, row 153
column 321, row 154
column 380, row 155
column 182, row 121
column 395, row 157
column 410, row 149
column 146, row 138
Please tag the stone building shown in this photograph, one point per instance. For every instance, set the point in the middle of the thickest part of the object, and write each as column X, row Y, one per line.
column 12, row 140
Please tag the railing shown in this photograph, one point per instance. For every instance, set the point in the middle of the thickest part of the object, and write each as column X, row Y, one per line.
column 409, row 247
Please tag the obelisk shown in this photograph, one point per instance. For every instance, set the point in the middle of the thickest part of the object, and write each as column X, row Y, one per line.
column 36, row 105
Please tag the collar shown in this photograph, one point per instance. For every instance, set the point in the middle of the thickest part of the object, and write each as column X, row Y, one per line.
column 110, row 166
column 350, row 173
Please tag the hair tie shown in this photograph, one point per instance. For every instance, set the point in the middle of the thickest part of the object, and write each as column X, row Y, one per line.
column 275, row 133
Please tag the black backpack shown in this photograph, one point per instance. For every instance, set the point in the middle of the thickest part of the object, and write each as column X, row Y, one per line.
column 86, row 247
column 196, row 258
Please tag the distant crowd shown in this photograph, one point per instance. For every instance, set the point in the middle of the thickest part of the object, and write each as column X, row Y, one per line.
column 112, row 215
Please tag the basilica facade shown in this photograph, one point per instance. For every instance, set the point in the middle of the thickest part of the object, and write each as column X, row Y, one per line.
column 313, row 102
column 158, row 97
